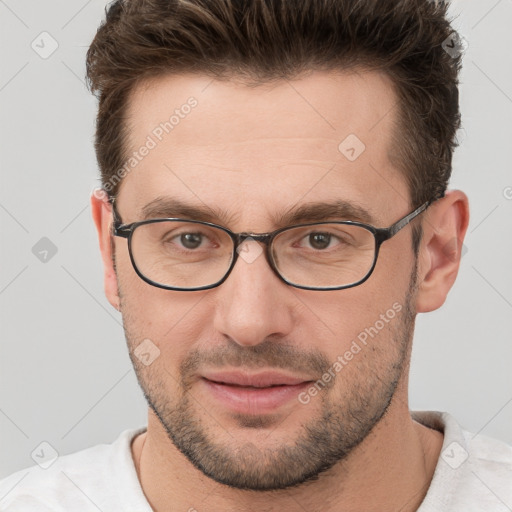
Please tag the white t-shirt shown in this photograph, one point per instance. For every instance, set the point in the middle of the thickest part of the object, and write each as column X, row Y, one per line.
column 473, row 473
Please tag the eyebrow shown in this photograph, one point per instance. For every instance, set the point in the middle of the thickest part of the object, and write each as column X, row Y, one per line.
column 168, row 207
column 319, row 211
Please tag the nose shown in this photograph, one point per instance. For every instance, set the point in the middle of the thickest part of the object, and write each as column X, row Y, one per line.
column 253, row 303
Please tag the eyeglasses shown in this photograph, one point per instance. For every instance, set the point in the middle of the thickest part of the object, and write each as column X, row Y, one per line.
column 187, row 255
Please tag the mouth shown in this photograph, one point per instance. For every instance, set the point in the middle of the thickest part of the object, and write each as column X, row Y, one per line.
column 256, row 394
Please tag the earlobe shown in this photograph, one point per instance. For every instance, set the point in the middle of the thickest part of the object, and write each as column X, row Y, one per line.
column 102, row 216
column 440, row 252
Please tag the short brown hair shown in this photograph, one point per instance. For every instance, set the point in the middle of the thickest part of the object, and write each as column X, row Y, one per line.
column 266, row 40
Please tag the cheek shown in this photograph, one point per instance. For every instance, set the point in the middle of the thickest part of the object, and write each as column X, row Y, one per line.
column 173, row 321
column 168, row 334
column 331, row 321
column 372, row 357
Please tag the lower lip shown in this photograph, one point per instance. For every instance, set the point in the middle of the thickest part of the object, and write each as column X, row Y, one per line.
column 248, row 400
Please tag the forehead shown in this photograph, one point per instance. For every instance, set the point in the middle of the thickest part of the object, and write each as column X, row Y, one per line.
column 248, row 149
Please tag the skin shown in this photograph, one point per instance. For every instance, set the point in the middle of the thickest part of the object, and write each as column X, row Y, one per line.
column 255, row 152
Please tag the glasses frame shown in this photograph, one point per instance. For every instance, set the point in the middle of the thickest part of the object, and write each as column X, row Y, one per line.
column 380, row 234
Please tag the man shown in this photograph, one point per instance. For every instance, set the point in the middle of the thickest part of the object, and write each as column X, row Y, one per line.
column 274, row 214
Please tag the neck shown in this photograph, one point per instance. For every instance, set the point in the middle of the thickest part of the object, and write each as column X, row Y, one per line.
column 390, row 470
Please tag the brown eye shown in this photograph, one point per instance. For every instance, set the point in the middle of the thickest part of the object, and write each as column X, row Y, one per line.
column 319, row 240
column 191, row 240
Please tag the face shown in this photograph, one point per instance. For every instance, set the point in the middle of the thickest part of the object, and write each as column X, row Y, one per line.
column 262, row 385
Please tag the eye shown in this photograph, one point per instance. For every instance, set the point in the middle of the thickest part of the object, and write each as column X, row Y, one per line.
column 190, row 240
column 322, row 240
column 319, row 240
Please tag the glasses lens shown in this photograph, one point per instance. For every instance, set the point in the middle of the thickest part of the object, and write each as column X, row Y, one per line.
column 326, row 255
column 181, row 254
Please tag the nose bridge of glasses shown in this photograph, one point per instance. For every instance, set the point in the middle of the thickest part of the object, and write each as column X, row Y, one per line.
column 250, row 252
column 257, row 237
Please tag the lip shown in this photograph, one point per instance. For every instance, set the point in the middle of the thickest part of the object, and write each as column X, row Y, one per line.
column 261, row 393
column 257, row 380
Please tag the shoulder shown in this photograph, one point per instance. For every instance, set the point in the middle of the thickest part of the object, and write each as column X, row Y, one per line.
column 70, row 482
column 473, row 473
column 490, row 462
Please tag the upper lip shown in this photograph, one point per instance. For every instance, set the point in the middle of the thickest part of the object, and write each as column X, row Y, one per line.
column 258, row 380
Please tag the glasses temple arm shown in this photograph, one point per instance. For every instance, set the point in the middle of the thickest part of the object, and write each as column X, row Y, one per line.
column 397, row 226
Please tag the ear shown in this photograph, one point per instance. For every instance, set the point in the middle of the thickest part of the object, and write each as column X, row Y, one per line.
column 444, row 228
column 102, row 215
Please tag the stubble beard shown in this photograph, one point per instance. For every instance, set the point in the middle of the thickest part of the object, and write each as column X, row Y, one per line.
column 324, row 441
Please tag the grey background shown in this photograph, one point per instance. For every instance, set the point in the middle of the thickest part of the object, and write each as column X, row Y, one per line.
column 65, row 376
